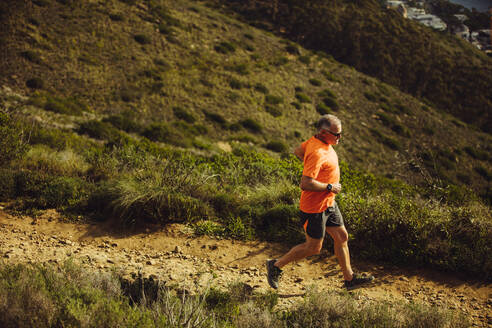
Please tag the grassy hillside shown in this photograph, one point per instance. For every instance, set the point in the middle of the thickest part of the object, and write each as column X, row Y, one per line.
column 437, row 66
column 170, row 110
column 154, row 60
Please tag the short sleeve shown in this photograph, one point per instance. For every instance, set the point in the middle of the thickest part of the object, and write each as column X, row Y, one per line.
column 312, row 164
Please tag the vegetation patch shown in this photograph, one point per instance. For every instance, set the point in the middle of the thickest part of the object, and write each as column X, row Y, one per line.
column 225, row 47
column 215, row 117
column 35, row 83
column 273, row 110
column 322, row 109
column 142, row 39
column 315, row 82
column 32, row 56
column 273, row 100
column 251, row 125
column 276, row 146
column 303, row 98
column 184, row 114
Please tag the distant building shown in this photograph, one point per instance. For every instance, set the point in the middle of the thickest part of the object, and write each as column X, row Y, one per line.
column 413, row 12
column 462, row 31
column 461, row 18
column 431, row 21
column 392, row 4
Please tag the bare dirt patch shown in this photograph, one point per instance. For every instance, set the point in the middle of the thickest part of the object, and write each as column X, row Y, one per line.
column 175, row 256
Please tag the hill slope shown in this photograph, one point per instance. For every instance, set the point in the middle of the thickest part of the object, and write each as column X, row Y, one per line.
column 161, row 61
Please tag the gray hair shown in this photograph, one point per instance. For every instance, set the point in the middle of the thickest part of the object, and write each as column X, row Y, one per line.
column 328, row 120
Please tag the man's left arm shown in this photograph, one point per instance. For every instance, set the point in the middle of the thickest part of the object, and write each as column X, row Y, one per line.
column 311, row 184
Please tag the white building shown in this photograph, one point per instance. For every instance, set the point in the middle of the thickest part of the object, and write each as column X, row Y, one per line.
column 431, row 21
column 463, row 32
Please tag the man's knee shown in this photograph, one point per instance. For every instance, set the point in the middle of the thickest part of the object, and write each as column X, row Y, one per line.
column 340, row 236
column 314, row 248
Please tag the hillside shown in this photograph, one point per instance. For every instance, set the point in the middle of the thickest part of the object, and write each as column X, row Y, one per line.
column 122, row 115
column 145, row 60
column 437, row 66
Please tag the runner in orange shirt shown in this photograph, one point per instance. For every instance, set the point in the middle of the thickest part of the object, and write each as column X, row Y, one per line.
column 320, row 183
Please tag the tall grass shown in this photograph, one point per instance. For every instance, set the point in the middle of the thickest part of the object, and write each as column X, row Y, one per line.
column 47, row 296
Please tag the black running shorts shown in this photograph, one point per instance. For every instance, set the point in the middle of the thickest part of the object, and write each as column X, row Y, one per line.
column 315, row 223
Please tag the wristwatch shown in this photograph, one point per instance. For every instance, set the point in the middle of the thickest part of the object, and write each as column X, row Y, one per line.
column 329, row 187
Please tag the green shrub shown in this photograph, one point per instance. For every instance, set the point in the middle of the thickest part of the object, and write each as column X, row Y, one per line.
column 315, row 82
column 272, row 110
column 276, row 146
column 45, row 191
column 125, row 121
column 486, row 174
column 142, row 39
column 329, row 76
column 12, row 139
column 241, row 69
column 99, row 130
column 261, row 88
column 331, row 102
column 273, row 100
column 225, row 47
column 388, row 141
column 249, row 36
column 478, row 153
column 323, row 109
column 303, row 98
column 327, row 93
column 246, row 138
column 32, row 56
column 293, row 50
column 371, row 96
column 67, row 106
column 296, row 105
column 116, row 17
column 280, row 60
column 214, row 117
column 58, row 139
column 35, row 83
column 7, row 184
column 130, row 94
column 281, row 223
column 331, row 309
column 183, row 114
column 162, row 132
column 251, row 125
column 305, row 59
column 236, row 84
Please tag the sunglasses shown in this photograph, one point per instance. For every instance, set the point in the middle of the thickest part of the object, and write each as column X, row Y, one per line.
column 337, row 135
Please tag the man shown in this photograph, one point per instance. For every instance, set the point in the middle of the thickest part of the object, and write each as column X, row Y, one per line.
column 320, row 183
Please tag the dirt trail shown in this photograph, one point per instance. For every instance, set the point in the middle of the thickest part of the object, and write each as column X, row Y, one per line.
column 175, row 256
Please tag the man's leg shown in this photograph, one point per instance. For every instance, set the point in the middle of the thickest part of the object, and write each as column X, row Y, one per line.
column 310, row 247
column 340, row 240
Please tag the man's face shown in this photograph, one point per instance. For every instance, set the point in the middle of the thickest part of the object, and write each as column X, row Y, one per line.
column 331, row 135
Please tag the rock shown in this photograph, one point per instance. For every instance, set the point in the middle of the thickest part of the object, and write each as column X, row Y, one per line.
column 298, row 280
column 213, row 247
column 150, row 262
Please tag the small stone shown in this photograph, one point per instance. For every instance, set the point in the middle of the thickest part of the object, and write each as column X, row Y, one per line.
column 298, row 279
column 213, row 247
column 150, row 262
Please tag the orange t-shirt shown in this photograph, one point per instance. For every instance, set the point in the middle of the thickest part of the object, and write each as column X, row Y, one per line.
column 320, row 163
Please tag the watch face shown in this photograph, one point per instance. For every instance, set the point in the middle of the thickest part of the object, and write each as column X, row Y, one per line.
column 329, row 186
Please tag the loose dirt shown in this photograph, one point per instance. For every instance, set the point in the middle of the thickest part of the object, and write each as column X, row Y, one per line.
column 176, row 256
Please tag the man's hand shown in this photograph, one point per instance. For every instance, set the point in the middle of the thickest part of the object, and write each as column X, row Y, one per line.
column 336, row 188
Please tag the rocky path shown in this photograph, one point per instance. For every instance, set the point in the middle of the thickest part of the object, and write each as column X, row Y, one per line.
column 177, row 257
